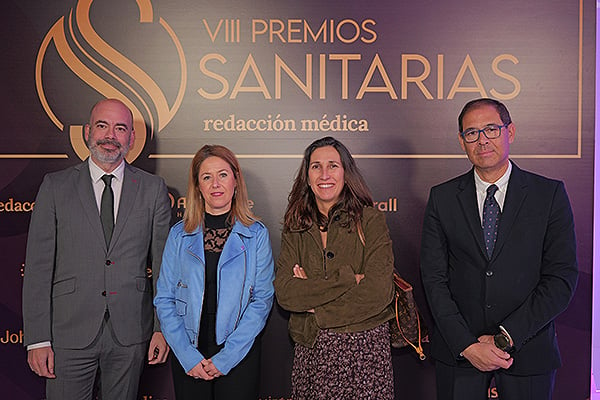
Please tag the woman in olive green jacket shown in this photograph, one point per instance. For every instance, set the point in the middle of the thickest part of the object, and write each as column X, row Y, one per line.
column 334, row 274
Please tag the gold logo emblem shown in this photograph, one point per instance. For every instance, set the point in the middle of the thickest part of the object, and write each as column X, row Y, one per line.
column 110, row 73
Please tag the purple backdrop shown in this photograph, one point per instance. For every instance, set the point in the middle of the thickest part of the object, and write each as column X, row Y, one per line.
column 266, row 78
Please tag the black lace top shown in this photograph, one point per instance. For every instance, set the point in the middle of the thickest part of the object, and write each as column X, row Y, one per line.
column 216, row 232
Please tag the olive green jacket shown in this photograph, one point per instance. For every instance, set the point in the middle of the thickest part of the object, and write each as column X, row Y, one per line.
column 331, row 291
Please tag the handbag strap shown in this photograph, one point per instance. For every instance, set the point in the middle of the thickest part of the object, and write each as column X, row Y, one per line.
column 418, row 347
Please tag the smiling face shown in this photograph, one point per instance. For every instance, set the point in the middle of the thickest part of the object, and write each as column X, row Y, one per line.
column 217, row 184
column 109, row 134
column 326, row 177
column 489, row 156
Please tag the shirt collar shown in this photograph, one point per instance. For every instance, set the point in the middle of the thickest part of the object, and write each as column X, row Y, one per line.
column 96, row 172
column 502, row 183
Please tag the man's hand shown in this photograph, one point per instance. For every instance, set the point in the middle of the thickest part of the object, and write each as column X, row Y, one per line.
column 158, row 350
column 41, row 361
column 487, row 357
column 486, row 339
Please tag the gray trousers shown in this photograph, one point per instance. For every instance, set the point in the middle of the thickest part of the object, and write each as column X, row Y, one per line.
column 115, row 369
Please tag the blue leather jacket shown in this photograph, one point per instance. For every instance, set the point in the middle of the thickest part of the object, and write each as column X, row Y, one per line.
column 245, row 276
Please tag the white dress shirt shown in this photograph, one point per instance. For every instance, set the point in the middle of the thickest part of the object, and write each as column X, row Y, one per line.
column 117, row 183
column 500, row 195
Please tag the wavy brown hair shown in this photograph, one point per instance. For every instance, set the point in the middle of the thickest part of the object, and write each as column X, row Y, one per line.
column 193, row 216
column 302, row 211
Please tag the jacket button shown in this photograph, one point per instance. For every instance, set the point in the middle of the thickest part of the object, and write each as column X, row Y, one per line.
column 330, row 255
column 104, row 293
column 489, row 273
column 488, row 306
column 107, row 262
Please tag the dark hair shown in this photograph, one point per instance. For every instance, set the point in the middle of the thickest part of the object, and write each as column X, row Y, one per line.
column 500, row 108
column 302, row 211
column 195, row 207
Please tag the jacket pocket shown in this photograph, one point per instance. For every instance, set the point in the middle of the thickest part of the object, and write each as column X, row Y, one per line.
column 143, row 284
column 180, row 307
column 63, row 287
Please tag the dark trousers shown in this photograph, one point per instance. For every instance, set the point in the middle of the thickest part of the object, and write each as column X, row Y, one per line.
column 455, row 383
column 241, row 383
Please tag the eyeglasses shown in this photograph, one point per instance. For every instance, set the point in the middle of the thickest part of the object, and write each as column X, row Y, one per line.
column 491, row 131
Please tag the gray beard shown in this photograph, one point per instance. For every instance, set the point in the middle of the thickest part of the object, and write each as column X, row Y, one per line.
column 108, row 157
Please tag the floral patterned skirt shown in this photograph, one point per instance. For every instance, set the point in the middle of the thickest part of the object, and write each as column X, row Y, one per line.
column 345, row 366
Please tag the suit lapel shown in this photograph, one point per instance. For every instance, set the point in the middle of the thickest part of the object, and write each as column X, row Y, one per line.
column 129, row 191
column 467, row 197
column 85, row 191
column 515, row 195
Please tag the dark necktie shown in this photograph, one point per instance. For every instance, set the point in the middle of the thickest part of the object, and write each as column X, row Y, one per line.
column 107, row 209
column 491, row 217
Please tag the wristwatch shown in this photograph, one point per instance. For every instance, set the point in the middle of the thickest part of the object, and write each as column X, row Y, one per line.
column 502, row 342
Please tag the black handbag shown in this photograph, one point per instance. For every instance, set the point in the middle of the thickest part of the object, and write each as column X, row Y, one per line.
column 407, row 328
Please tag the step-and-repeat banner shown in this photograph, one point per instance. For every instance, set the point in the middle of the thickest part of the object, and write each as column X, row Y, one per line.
column 265, row 78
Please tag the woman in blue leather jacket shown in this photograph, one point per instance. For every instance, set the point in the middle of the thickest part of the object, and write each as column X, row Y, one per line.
column 215, row 288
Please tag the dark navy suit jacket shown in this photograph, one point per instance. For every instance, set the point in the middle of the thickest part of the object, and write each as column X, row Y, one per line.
column 528, row 281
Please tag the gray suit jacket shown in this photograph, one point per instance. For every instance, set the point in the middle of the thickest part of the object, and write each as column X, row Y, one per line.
column 71, row 278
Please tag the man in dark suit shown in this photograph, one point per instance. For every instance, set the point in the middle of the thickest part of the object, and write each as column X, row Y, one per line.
column 495, row 287
column 87, row 298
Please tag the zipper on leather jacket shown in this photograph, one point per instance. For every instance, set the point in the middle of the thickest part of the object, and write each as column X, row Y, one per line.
column 237, row 320
column 195, row 341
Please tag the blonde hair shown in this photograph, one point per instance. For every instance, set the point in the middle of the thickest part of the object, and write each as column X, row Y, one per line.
column 193, row 216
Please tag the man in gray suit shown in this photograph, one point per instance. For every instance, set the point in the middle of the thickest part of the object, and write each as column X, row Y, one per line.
column 87, row 297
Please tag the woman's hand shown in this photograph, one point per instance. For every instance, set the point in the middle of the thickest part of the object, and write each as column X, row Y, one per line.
column 210, row 368
column 359, row 277
column 198, row 372
column 300, row 274
column 206, row 370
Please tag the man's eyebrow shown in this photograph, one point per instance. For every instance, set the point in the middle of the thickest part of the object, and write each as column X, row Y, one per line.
column 101, row 121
